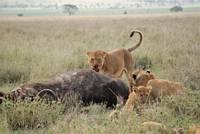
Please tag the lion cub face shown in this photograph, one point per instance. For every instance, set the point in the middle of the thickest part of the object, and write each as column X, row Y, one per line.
column 139, row 95
column 142, row 93
column 142, row 77
column 96, row 59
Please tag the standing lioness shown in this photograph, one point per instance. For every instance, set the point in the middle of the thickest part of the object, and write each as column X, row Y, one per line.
column 114, row 63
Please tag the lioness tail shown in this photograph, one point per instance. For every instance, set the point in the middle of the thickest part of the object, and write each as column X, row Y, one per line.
column 138, row 44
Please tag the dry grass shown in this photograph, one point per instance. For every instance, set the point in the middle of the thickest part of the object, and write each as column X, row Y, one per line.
column 35, row 48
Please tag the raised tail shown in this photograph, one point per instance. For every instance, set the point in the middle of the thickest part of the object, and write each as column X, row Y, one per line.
column 138, row 44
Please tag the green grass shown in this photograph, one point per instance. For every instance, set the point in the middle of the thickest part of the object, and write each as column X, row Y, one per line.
column 37, row 48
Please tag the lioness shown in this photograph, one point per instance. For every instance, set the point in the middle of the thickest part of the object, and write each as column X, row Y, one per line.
column 114, row 63
column 139, row 95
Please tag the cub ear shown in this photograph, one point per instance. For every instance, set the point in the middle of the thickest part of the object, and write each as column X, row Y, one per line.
column 135, row 89
column 104, row 54
column 89, row 54
column 148, row 71
column 134, row 76
column 181, row 131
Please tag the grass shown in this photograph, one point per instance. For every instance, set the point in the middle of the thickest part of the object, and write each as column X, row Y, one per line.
column 36, row 48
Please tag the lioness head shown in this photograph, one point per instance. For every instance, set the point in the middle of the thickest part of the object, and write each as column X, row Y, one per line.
column 141, row 77
column 96, row 59
column 142, row 93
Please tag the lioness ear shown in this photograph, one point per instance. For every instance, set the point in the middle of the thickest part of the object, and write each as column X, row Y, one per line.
column 88, row 54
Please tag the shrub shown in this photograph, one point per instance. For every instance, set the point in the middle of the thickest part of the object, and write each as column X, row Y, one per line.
column 12, row 76
column 125, row 12
column 176, row 9
column 143, row 62
column 20, row 14
column 30, row 115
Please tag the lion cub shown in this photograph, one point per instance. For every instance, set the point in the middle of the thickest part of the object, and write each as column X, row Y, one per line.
column 162, row 88
column 195, row 129
column 150, row 126
column 139, row 95
column 142, row 77
column 114, row 63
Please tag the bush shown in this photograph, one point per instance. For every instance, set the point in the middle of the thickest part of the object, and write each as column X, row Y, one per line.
column 125, row 12
column 143, row 62
column 20, row 14
column 176, row 9
column 12, row 76
column 70, row 9
column 30, row 115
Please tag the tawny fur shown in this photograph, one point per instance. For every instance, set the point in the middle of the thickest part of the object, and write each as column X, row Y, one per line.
column 115, row 114
column 177, row 131
column 153, row 126
column 195, row 129
column 139, row 95
column 130, row 103
column 142, row 77
column 114, row 63
column 162, row 87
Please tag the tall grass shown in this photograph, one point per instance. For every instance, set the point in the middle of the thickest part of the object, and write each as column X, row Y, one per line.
column 34, row 48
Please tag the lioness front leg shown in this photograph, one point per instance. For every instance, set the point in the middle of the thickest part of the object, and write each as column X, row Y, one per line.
column 130, row 80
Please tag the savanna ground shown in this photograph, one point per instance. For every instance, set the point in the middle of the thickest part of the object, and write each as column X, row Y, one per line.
column 36, row 48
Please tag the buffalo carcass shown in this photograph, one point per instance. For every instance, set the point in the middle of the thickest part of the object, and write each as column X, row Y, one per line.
column 88, row 85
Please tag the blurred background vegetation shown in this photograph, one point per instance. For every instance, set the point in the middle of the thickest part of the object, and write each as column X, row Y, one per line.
column 95, row 7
